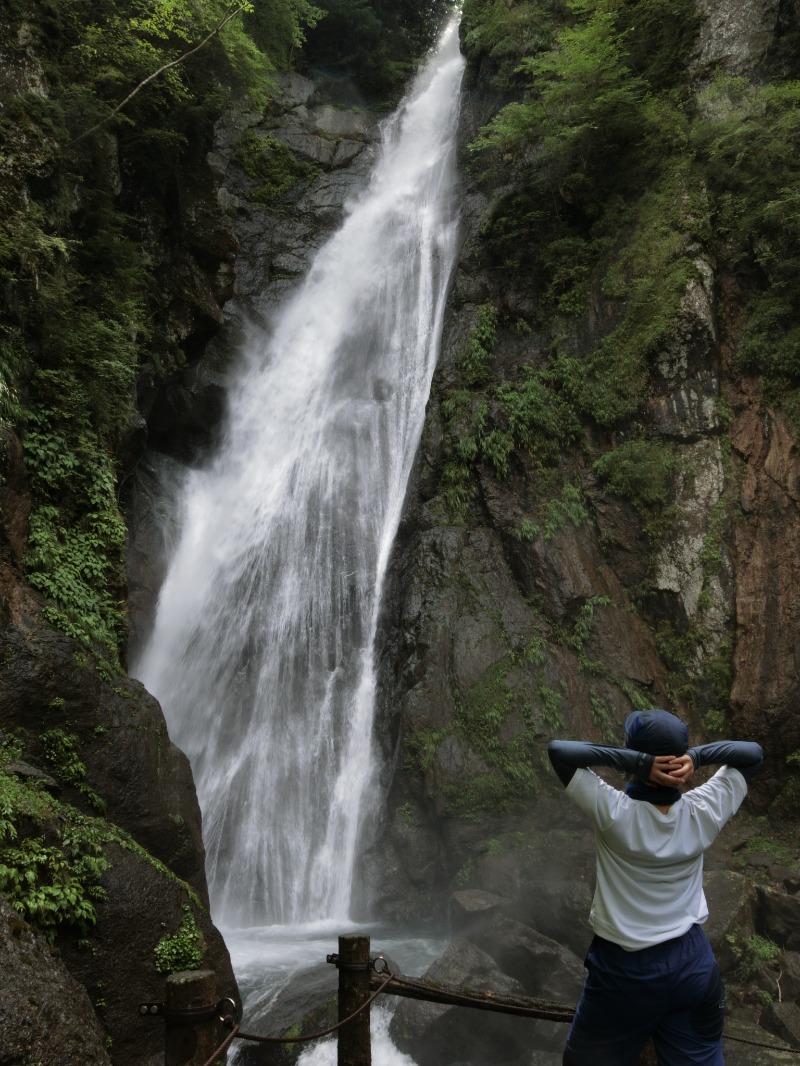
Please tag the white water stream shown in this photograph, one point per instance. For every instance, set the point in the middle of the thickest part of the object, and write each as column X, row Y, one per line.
column 262, row 648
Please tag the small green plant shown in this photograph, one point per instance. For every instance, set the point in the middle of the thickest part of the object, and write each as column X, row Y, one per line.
column 61, row 752
column 568, row 510
column 52, row 858
column 405, row 813
column 183, row 950
column 642, row 472
column 273, row 166
column 526, row 531
column 423, row 744
column 550, row 706
column 465, row 875
column 585, row 620
column 475, row 359
column 716, row 722
column 756, row 953
column 52, row 879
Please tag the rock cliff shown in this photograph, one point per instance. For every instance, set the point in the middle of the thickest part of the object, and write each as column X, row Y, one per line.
column 100, row 826
column 537, row 588
column 547, row 603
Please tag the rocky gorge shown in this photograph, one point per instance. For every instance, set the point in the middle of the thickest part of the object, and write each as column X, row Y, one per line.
column 535, row 589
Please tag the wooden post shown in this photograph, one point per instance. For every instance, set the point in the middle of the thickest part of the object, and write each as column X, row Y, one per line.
column 191, row 1042
column 354, row 1043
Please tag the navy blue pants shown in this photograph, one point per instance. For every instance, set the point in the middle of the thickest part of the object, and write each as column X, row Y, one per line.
column 671, row 992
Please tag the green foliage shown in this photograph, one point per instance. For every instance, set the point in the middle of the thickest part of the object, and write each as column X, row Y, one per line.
column 658, row 36
column 745, row 139
column 567, row 510
column 550, row 706
column 456, row 490
column 52, row 857
column 12, row 366
column 273, row 166
column 501, row 36
column 649, row 275
column 80, row 293
column 527, row 531
column 52, row 880
column 526, row 418
column 182, row 950
column 755, row 953
column 715, row 721
column 538, row 419
column 582, row 628
column 278, row 27
column 60, row 749
column 464, row 877
column 586, row 108
column 76, row 534
column 481, row 718
column 475, row 358
column 406, row 814
column 597, row 149
column 422, row 745
column 50, row 889
column 642, row 472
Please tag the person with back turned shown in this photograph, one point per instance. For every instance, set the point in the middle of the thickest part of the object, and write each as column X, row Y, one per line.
column 651, row 970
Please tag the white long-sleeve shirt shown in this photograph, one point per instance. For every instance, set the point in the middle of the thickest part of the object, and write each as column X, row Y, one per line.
column 649, row 862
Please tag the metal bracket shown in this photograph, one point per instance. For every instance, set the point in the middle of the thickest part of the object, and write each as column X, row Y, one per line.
column 357, row 966
column 225, row 1009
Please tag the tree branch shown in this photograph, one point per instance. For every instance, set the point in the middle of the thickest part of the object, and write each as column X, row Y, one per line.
column 233, row 10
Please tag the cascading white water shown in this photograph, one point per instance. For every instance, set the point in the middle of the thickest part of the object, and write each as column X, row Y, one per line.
column 262, row 648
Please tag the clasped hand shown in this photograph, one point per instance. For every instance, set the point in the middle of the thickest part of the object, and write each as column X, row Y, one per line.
column 671, row 770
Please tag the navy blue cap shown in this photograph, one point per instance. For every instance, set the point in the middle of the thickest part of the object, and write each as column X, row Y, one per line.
column 656, row 732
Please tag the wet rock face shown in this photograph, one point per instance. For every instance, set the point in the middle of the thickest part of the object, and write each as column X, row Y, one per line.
column 469, row 601
column 766, row 557
column 332, row 151
column 148, row 790
column 438, row 1035
column 46, row 1016
column 118, row 966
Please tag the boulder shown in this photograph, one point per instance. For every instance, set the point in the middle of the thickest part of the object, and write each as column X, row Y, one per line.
column 731, row 900
column 544, row 968
column 783, row 1018
column 790, row 976
column 306, row 1003
column 744, row 1045
column 559, row 908
column 117, row 962
column 46, row 1017
column 436, row 1034
column 778, row 915
column 471, row 910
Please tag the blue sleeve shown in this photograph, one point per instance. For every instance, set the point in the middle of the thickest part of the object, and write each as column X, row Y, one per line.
column 567, row 756
column 743, row 755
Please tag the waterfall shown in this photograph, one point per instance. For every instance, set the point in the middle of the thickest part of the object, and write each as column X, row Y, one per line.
column 262, row 648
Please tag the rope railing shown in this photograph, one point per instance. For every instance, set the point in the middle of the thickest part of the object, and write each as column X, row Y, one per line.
column 367, row 977
column 238, row 1034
